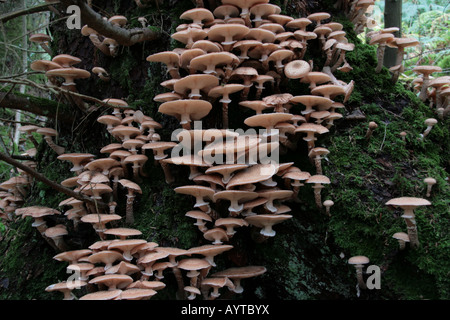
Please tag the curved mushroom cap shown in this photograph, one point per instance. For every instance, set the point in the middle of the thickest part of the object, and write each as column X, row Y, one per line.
column 408, row 202
column 195, row 83
column 197, row 15
column 113, row 281
column 102, row 165
column 256, row 105
column 316, row 77
column 137, row 294
column 401, row 236
column 235, row 196
column 44, row 65
column 266, row 221
column 224, row 91
column 69, row 74
column 427, row 70
column 318, row 179
column 238, row 145
column 217, row 235
column 296, row 69
column 239, row 273
column 381, row 38
column 358, row 260
column 118, row 20
column 186, row 110
column 169, row 58
column 102, row 295
column 267, row 120
column 106, row 257
column 318, row 17
column 72, row 256
column 123, row 232
column 56, row 231
column 299, row 23
column 198, row 215
column 76, row 158
column 311, row 101
column 198, row 192
column 253, row 174
column 402, row 43
column 126, row 246
column 193, row 264
column 227, row 34
column 66, row 60
column 226, row 170
column 328, row 90
column 40, row 38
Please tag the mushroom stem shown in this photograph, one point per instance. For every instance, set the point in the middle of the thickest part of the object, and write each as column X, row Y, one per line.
column 318, row 164
column 59, row 150
column 380, row 56
column 224, row 115
column 168, row 175
column 180, row 282
column 129, row 216
column 412, row 232
column 359, row 276
column 317, row 196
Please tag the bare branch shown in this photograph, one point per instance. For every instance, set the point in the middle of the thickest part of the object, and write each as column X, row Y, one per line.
column 125, row 37
column 19, row 13
column 50, row 183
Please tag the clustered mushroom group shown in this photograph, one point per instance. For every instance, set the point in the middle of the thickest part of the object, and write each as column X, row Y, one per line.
column 239, row 56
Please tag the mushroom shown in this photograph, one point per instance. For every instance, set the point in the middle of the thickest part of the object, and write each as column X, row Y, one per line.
column 77, row 159
column 430, row 182
column 216, row 284
column 328, row 204
column 401, row 44
column 402, row 238
column 193, row 266
column 238, row 273
column 170, row 59
column 48, row 133
column 318, row 181
column 430, row 123
column 372, row 126
column 359, row 262
column 381, row 39
column 101, row 73
column 266, row 222
column 186, row 110
column 42, row 39
column 66, row 288
column 409, row 204
column 224, row 91
column 132, row 188
column 426, row 71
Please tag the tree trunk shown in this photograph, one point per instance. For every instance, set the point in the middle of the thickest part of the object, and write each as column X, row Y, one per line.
column 392, row 18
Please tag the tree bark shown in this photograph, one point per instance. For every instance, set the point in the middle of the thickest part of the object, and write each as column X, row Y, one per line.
column 392, row 18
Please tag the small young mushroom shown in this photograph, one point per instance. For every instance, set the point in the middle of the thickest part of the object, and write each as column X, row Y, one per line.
column 101, row 73
column 359, row 262
column 328, row 204
column 402, row 239
column 48, row 133
column 430, row 182
column 430, row 123
column 372, row 126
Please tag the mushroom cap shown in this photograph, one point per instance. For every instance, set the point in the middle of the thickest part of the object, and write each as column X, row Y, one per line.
column 426, row 70
column 66, row 60
column 408, row 202
column 130, row 185
column 401, row 236
column 197, row 15
column 429, row 181
column 47, row 132
column 212, row 59
column 101, row 164
column 195, row 109
column 44, row 65
column 118, row 19
column 198, row 214
column 220, row 32
column 56, row 231
column 238, row 145
column 69, row 73
column 200, row 82
column 106, row 257
column 403, row 43
column 316, row 77
column 241, row 272
column 235, row 195
column 120, row 281
column 191, row 264
column 209, row 250
column 299, row 23
column 318, row 16
column 296, row 69
column 116, row 102
column 318, row 178
column 137, row 294
column 196, row 191
column 256, row 105
column 39, row 37
column 36, row 211
column 102, row 295
column 123, row 232
column 226, row 170
column 312, row 101
column 267, row 120
column 328, row 90
column 217, row 235
column 358, row 260
column 72, row 255
column 253, row 174
column 431, row 122
column 381, row 38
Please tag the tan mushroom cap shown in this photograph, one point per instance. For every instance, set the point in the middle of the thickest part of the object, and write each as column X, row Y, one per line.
column 358, row 260
column 72, row 256
column 226, row 170
column 229, row 223
column 227, row 34
column 316, row 77
column 318, row 17
column 426, row 70
column 328, row 90
column 103, row 165
column 256, row 105
column 224, row 91
column 126, row 246
column 206, row 46
column 100, row 219
column 261, row 35
column 66, row 60
column 118, row 20
column 299, row 23
column 186, row 110
column 297, row 69
column 238, row 273
column 106, row 257
column 76, row 159
column 401, row 236
column 69, row 74
column 137, row 294
column 244, row 5
column 238, row 145
column 145, row 284
column 196, row 83
column 209, row 251
column 409, row 204
column 274, row 194
column 66, row 288
column 193, row 265
column 56, row 231
column 266, row 222
column 123, row 233
column 102, row 295
column 113, row 281
column 199, row 192
column 199, row 215
column 44, row 65
column 217, row 235
column 280, row 18
column 318, row 179
column 267, row 120
column 311, row 101
column 197, row 15
column 253, row 174
column 235, row 197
